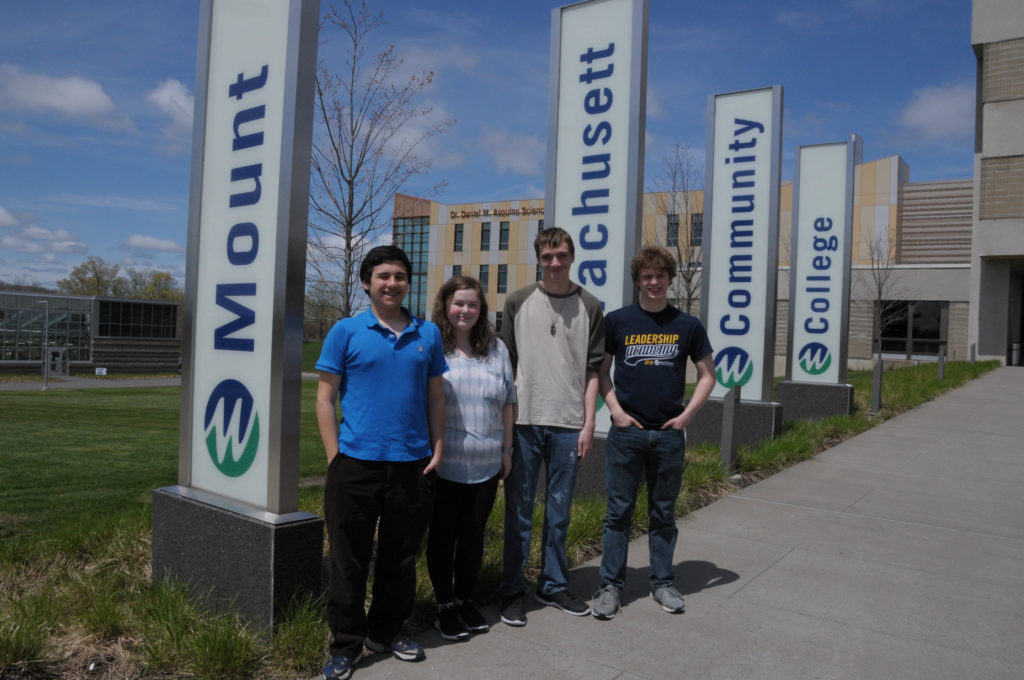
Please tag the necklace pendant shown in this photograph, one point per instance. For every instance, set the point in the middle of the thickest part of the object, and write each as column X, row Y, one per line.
column 552, row 330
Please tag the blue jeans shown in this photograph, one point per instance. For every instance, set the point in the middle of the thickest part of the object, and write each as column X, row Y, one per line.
column 555, row 447
column 630, row 454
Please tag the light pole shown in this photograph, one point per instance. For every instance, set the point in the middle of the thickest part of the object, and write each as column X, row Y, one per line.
column 46, row 343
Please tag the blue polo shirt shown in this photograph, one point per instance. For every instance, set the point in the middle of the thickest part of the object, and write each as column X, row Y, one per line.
column 383, row 390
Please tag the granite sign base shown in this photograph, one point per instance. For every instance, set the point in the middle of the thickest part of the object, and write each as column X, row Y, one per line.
column 756, row 421
column 811, row 401
column 251, row 561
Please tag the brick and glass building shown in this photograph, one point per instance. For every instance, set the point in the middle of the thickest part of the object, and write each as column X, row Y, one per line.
column 937, row 266
column 996, row 321
column 911, row 256
column 86, row 333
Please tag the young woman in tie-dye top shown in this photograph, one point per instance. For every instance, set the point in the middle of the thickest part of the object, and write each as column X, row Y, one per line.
column 480, row 395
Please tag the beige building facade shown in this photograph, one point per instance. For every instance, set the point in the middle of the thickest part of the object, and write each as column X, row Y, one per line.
column 996, row 322
column 937, row 266
column 911, row 256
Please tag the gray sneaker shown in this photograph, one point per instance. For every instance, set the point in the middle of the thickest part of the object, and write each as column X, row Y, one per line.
column 669, row 599
column 605, row 603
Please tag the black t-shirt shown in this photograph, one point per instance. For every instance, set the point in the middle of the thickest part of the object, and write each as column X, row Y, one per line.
column 650, row 350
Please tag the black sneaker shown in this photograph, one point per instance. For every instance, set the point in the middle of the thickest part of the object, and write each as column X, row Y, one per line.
column 404, row 650
column 448, row 623
column 472, row 617
column 513, row 610
column 565, row 601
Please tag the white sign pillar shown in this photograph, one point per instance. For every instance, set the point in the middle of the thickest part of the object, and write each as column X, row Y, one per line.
column 237, row 492
column 741, row 238
column 819, row 283
column 595, row 139
column 246, row 259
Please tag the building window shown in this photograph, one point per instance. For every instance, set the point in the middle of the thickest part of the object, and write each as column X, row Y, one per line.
column 1002, row 71
column 456, row 270
column 696, row 229
column 502, row 278
column 540, row 225
column 999, row 188
column 68, row 326
column 412, row 234
column 485, row 275
column 914, row 328
column 497, row 322
column 137, row 320
column 458, row 237
column 485, row 236
column 672, row 231
column 503, row 230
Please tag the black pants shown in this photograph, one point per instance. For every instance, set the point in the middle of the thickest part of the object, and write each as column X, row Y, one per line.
column 455, row 547
column 358, row 495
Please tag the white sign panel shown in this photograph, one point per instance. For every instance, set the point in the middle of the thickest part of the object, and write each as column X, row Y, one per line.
column 741, row 238
column 240, row 255
column 820, row 261
column 596, row 130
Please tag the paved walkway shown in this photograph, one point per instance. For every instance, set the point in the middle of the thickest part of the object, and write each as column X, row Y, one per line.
column 896, row 554
column 73, row 382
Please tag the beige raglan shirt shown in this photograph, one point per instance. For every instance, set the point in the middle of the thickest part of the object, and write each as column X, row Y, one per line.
column 551, row 370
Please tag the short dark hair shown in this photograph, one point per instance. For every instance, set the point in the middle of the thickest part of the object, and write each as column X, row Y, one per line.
column 553, row 237
column 653, row 257
column 380, row 255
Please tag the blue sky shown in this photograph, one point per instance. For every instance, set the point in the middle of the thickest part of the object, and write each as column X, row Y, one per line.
column 96, row 97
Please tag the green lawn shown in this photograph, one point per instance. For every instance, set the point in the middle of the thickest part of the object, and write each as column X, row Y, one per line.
column 310, row 353
column 70, row 457
column 77, row 472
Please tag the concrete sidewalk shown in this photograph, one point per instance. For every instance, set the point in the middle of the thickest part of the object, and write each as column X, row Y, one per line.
column 66, row 382
column 896, row 554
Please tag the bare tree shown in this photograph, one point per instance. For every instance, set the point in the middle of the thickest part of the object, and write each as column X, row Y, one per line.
column 368, row 142
column 21, row 282
column 884, row 288
column 676, row 202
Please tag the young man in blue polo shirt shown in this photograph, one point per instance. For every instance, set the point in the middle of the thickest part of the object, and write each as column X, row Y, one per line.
column 649, row 341
column 386, row 365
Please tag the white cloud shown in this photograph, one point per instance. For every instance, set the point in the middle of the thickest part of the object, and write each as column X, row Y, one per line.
column 519, row 154
column 30, row 238
column 421, row 134
column 49, row 244
column 173, row 99
column 940, row 112
column 70, row 97
column 115, row 202
column 140, row 242
column 6, row 218
column 39, row 234
column 18, row 127
column 799, row 21
column 655, row 109
column 417, row 59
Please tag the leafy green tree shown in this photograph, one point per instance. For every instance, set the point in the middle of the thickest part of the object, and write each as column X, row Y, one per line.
column 94, row 277
column 150, row 284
